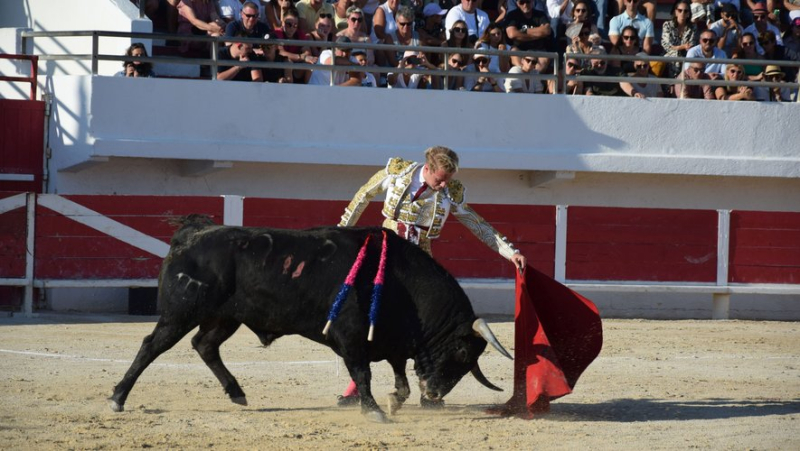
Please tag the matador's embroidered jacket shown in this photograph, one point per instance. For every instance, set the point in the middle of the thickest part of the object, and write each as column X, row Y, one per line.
column 421, row 220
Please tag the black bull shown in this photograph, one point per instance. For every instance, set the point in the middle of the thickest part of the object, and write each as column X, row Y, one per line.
column 281, row 282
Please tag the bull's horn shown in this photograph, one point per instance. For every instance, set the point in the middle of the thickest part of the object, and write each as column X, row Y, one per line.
column 476, row 371
column 482, row 328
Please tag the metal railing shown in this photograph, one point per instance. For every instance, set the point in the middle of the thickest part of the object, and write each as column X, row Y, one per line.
column 558, row 67
column 34, row 61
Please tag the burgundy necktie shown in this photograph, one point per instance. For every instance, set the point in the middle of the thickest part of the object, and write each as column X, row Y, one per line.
column 419, row 192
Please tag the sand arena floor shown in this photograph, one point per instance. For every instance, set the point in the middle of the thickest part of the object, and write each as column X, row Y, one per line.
column 656, row 385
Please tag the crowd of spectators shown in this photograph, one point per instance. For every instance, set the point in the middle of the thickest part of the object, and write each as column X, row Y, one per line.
column 766, row 30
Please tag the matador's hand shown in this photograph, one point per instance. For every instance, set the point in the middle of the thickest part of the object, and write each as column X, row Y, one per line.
column 519, row 261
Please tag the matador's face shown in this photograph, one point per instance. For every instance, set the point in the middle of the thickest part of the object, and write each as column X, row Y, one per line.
column 436, row 180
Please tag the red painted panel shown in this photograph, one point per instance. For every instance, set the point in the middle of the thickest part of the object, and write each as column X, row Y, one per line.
column 764, row 247
column 641, row 244
column 22, row 142
column 13, row 234
column 69, row 250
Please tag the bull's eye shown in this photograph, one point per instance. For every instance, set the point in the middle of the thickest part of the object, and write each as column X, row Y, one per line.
column 461, row 355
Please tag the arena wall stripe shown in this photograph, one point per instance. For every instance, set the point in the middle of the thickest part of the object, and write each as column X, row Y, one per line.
column 765, row 247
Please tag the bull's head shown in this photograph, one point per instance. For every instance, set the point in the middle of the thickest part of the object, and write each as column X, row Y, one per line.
column 460, row 358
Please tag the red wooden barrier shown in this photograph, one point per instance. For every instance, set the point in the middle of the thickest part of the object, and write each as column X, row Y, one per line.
column 636, row 244
column 21, row 144
column 765, row 247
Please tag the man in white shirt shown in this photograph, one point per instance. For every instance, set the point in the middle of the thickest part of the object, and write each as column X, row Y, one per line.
column 477, row 20
column 342, row 58
column 707, row 49
column 761, row 24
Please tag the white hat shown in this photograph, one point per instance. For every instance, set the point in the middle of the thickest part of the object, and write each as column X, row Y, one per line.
column 794, row 14
column 433, row 9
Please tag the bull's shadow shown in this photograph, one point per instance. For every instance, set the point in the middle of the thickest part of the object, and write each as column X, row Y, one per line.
column 635, row 410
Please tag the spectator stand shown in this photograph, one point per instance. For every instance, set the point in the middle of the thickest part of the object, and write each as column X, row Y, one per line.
column 213, row 62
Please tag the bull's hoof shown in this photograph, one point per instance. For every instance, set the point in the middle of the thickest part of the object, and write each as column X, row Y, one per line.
column 115, row 406
column 347, row 401
column 376, row 416
column 395, row 402
column 241, row 400
column 426, row 403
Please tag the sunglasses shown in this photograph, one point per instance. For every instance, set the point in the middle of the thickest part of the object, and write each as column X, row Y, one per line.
column 580, row 10
column 748, row 44
column 458, row 30
column 289, row 24
column 639, row 66
column 734, row 72
column 759, row 16
column 630, row 37
column 586, row 33
column 523, row 2
column 696, row 69
column 481, row 61
column 356, row 19
column 403, row 24
column 325, row 16
column 707, row 40
column 456, row 63
column 573, row 66
column 528, row 60
column 250, row 16
column 681, row 11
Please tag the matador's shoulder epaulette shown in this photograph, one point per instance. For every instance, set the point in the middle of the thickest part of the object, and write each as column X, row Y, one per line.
column 399, row 166
column 455, row 191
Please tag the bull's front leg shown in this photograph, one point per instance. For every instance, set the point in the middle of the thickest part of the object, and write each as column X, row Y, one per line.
column 402, row 390
column 362, row 375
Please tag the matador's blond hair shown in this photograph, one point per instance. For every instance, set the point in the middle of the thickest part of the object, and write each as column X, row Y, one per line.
column 440, row 157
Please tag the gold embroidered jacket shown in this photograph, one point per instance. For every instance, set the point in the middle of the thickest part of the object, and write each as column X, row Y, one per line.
column 428, row 215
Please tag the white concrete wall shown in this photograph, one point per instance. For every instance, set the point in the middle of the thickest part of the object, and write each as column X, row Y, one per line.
column 68, row 15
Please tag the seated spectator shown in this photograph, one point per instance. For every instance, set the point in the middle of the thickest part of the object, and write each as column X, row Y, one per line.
column 469, row 12
column 403, row 35
column 359, row 56
column 574, row 87
column 340, row 13
column 494, row 39
column 628, row 45
column 748, row 51
column 773, row 74
column 695, row 71
column 198, row 18
column 728, row 29
column 582, row 12
column 482, row 81
column 294, row 53
column 269, row 53
column 734, row 72
column 776, row 52
column 231, row 10
column 275, row 10
column 524, row 85
column 136, row 68
column 457, row 63
column 528, row 30
column 323, row 32
column 646, row 7
column 631, row 17
column 431, row 31
column 410, row 60
column 707, row 49
column 384, row 30
column 761, row 24
column 248, row 26
column 678, row 35
column 641, row 90
column 579, row 34
column 309, row 10
column 600, row 67
column 458, row 36
column 242, row 52
column 791, row 40
column 337, row 57
column 355, row 27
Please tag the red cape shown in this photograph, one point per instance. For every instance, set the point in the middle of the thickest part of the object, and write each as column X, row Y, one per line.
column 557, row 334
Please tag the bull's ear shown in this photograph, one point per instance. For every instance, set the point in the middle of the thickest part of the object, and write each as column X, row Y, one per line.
column 326, row 250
